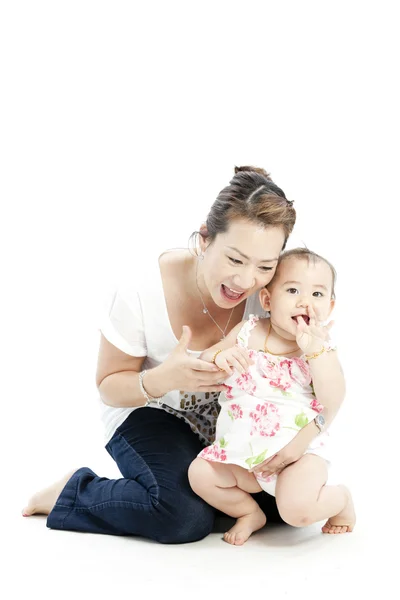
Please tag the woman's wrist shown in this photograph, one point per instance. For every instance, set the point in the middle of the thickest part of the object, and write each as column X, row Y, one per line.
column 155, row 382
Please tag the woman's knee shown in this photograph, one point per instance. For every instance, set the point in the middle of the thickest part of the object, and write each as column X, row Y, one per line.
column 189, row 521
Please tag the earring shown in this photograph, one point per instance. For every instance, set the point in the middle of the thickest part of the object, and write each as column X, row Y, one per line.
column 200, row 257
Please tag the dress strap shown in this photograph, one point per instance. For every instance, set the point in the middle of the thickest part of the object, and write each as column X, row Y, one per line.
column 244, row 333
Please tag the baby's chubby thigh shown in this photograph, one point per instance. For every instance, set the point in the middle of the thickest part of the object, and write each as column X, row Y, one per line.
column 205, row 475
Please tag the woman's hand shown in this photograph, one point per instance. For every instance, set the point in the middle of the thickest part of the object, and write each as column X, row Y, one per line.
column 235, row 357
column 288, row 455
column 311, row 338
column 183, row 372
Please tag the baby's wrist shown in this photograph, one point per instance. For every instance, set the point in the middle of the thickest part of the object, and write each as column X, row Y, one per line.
column 313, row 349
column 215, row 359
column 323, row 348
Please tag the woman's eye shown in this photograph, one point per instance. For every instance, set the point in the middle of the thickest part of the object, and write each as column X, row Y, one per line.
column 235, row 261
column 266, row 269
column 292, row 291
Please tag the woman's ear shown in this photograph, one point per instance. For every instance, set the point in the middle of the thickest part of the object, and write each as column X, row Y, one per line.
column 265, row 298
column 203, row 237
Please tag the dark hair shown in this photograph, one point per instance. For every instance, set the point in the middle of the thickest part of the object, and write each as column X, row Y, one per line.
column 310, row 256
column 251, row 195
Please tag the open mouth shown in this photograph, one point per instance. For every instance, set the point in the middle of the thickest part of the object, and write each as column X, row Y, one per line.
column 305, row 317
column 231, row 294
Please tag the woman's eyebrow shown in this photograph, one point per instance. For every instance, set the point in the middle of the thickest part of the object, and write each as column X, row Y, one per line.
column 247, row 258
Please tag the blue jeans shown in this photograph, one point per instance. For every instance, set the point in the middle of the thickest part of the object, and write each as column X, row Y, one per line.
column 153, row 499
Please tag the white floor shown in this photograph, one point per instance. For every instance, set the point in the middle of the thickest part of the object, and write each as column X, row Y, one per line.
column 283, row 561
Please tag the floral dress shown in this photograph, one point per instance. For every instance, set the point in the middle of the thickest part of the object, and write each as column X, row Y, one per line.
column 263, row 410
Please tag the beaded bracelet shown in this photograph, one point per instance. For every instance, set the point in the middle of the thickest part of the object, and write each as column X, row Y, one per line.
column 149, row 398
column 214, row 357
column 316, row 354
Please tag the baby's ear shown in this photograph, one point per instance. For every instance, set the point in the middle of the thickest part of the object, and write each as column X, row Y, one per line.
column 265, row 298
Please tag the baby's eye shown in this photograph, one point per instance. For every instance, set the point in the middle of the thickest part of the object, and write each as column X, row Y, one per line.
column 318, row 294
column 293, row 291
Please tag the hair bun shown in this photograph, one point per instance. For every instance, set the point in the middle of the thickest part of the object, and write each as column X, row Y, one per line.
column 254, row 170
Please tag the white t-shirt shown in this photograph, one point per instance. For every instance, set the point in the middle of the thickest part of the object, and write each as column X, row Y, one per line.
column 137, row 323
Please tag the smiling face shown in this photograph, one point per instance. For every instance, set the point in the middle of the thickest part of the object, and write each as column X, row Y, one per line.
column 299, row 283
column 239, row 262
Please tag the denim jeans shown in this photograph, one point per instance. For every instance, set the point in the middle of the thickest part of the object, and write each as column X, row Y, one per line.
column 153, row 499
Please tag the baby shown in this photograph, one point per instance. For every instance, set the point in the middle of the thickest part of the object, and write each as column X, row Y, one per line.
column 283, row 372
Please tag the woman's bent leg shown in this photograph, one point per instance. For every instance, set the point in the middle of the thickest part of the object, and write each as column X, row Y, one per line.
column 153, row 451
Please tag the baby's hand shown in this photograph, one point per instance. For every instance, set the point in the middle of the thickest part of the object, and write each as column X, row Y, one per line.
column 311, row 338
column 234, row 358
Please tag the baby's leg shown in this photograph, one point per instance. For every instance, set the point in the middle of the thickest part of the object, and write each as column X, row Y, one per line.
column 227, row 488
column 303, row 498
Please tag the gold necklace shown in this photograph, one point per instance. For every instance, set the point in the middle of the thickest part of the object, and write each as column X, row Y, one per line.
column 274, row 353
column 207, row 312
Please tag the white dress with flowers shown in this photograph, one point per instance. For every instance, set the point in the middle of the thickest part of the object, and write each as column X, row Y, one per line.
column 263, row 410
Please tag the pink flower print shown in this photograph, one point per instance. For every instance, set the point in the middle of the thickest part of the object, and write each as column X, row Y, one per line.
column 283, row 385
column 214, row 453
column 284, row 363
column 265, row 420
column 299, row 371
column 275, row 372
column 286, row 371
column 246, row 383
column 252, row 321
column 228, row 392
column 235, row 412
column 269, row 369
column 315, row 405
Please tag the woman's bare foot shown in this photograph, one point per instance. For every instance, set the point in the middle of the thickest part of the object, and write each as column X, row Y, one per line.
column 345, row 521
column 244, row 527
column 43, row 502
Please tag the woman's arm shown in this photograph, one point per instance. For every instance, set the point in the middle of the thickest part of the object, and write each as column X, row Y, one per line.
column 117, row 376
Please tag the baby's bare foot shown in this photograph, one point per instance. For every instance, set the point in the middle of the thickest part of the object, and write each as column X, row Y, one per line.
column 244, row 527
column 345, row 521
column 43, row 502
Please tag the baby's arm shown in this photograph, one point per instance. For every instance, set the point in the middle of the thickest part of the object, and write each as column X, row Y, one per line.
column 328, row 381
column 326, row 372
column 227, row 342
column 227, row 354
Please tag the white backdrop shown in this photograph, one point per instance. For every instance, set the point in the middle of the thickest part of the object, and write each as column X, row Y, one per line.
column 121, row 121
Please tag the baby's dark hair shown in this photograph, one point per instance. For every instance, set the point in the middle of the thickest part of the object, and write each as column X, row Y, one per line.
column 253, row 196
column 311, row 257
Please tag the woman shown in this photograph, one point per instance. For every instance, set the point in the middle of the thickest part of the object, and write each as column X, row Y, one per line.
column 160, row 399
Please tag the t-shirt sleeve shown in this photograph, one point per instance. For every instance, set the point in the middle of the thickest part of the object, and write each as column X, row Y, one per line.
column 123, row 325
